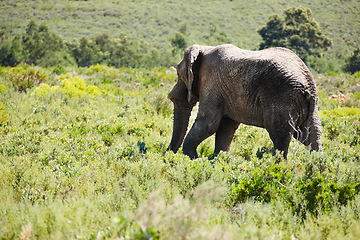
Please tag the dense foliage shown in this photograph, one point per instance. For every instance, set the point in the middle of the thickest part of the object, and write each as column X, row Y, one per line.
column 118, row 52
column 41, row 47
column 82, row 156
column 353, row 62
column 298, row 31
column 179, row 43
column 37, row 46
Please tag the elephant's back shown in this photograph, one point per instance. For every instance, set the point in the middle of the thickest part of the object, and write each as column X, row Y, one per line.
column 260, row 80
column 277, row 69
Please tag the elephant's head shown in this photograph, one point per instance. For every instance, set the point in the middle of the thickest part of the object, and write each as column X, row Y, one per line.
column 188, row 73
column 185, row 93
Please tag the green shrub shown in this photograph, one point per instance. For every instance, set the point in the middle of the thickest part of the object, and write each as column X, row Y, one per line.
column 357, row 75
column 265, row 182
column 4, row 117
column 353, row 62
column 44, row 90
column 2, row 88
column 97, row 68
column 75, row 86
column 124, row 229
column 166, row 74
column 310, row 193
column 321, row 195
column 148, row 79
column 59, row 69
column 162, row 106
column 24, row 77
column 11, row 52
column 102, row 73
column 340, row 112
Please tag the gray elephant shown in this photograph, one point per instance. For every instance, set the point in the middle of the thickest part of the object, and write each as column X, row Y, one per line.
column 271, row 88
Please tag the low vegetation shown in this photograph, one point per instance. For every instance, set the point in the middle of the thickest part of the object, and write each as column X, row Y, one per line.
column 82, row 156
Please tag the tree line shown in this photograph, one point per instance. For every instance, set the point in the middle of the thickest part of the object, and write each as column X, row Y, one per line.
column 297, row 31
column 39, row 46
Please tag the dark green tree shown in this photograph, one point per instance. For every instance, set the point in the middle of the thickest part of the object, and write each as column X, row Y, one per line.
column 298, row 31
column 33, row 49
column 128, row 52
column 84, row 52
column 119, row 52
column 11, row 52
column 36, row 46
column 273, row 34
column 179, row 42
column 215, row 38
column 352, row 64
column 106, row 47
column 41, row 47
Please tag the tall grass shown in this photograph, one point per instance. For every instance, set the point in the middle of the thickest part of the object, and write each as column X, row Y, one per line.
column 94, row 166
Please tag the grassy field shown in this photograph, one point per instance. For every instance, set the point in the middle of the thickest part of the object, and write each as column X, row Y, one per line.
column 156, row 22
column 82, row 156
column 82, row 150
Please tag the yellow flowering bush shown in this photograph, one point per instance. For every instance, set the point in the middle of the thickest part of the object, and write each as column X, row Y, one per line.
column 97, row 68
column 2, row 88
column 3, row 114
column 73, row 86
column 44, row 90
column 103, row 72
column 77, row 87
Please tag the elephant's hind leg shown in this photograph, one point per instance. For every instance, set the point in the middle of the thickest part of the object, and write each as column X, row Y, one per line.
column 225, row 134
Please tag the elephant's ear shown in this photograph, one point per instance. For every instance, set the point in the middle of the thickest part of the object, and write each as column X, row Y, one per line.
column 190, row 56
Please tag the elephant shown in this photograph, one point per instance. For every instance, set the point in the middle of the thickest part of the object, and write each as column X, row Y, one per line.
column 271, row 89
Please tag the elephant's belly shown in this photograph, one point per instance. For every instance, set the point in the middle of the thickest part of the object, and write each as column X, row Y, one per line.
column 246, row 116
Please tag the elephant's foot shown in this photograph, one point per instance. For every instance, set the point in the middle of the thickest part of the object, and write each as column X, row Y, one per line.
column 190, row 151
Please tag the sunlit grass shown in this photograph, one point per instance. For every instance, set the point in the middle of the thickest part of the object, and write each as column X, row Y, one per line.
column 95, row 167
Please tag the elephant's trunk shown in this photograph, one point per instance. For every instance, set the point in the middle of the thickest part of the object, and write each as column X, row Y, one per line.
column 314, row 134
column 312, row 126
column 182, row 112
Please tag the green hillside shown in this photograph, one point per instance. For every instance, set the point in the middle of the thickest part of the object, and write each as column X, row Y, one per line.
column 157, row 21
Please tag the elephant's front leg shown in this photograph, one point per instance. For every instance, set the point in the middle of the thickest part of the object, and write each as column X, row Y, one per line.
column 225, row 134
column 206, row 124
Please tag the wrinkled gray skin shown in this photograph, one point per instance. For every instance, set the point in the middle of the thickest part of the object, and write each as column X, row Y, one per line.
column 271, row 88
